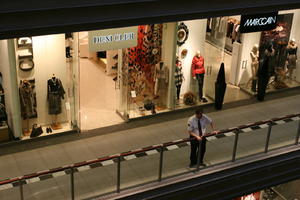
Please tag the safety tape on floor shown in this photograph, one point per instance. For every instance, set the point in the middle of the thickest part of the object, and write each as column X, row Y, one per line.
column 62, row 171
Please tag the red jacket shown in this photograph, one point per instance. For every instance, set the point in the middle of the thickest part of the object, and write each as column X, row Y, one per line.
column 198, row 66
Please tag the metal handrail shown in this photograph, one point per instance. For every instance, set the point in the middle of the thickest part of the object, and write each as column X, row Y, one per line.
column 117, row 156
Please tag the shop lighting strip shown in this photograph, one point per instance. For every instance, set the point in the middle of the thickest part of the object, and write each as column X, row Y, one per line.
column 147, row 151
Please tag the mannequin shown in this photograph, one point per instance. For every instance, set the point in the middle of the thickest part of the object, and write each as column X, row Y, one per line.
column 254, row 54
column 178, row 76
column 55, row 94
column 291, row 58
column 198, row 72
column 161, row 78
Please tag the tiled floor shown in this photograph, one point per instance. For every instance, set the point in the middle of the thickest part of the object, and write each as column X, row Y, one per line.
column 102, row 180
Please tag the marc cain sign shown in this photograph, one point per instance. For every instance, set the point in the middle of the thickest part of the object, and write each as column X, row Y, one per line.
column 258, row 22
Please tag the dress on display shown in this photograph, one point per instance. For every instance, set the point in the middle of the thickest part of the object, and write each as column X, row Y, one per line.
column 178, row 79
column 28, row 99
column 54, row 95
column 292, row 56
column 161, row 77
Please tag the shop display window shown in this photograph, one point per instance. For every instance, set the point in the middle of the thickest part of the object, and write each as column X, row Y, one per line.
column 93, row 79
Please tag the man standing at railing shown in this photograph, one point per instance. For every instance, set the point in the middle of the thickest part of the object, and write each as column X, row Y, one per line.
column 196, row 128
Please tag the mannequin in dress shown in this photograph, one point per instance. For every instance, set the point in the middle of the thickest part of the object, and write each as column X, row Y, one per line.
column 179, row 78
column 254, row 54
column 198, row 72
column 292, row 57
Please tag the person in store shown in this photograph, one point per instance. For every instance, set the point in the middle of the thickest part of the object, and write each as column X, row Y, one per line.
column 196, row 128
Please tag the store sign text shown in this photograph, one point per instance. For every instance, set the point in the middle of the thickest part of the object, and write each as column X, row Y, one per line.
column 259, row 22
column 113, row 38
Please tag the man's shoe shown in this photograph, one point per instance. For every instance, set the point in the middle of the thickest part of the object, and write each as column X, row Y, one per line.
column 203, row 164
column 192, row 166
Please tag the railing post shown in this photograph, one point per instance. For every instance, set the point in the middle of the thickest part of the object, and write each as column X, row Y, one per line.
column 199, row 155
column 268, row 136
column 21, row 190
column 235, row 144
column 298, row 134
column 161, row 157
column 72, row 184
column 119, row 174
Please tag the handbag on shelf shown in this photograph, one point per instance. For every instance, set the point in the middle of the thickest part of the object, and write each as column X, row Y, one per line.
column 36, row 131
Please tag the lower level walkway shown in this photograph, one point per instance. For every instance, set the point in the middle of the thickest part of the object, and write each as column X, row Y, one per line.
column 53, row 156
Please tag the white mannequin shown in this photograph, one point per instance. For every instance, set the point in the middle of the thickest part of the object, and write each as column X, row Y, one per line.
column 292, row 58
column 254, row 54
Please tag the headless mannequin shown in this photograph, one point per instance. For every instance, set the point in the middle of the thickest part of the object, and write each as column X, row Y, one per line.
column 254, row 54
column 291, row 58
column 178, row 77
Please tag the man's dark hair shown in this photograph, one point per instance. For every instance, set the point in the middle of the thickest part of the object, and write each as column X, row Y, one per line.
column 199, row 111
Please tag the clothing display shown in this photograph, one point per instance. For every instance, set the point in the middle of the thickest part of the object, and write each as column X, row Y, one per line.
column 28, row 99
column 55, row 93
column 292, row 55
column 220, row 88
column 198, row 71
column 198, row 65
column 161, row 76
column 254, row 54
column 178, row 77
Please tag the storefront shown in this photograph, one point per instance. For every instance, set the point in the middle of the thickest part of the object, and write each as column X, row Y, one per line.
column 92, row 79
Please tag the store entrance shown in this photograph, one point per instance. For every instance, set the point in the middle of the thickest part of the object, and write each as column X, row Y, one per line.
column 98, row 74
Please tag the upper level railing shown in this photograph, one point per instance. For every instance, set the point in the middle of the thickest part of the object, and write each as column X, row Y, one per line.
column 154, row 163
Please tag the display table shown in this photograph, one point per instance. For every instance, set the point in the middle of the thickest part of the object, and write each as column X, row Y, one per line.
column 4, row 136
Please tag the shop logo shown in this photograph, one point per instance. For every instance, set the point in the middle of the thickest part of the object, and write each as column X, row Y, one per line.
column 259, row 22
column 113, row 38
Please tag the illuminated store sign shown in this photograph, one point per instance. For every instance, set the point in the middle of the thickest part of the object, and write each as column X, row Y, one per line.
column 260, row 22
column 111, row 39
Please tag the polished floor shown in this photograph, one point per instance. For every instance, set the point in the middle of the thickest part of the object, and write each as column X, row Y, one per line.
column 98, row 102
column 101, row 180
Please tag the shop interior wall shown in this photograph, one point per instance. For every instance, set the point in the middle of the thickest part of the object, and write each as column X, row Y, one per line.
column 49, row 59
column 9, row 84
column 195, row 41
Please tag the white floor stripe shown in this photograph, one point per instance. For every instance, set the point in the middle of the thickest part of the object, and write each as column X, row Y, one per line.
column 83, row 168
column 211, row 138
column 130, row 157
column 247, row 130
column 6, row 186
column 229, row 134
column 57, row 174
column 280, row 122
column 295, row 118
column 33, row 180
column 151, row 152
column 264, row 126
column 107, row 162
column 172, row 147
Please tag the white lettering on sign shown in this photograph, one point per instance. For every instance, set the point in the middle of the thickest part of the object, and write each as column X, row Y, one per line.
column 260, row 21
column 113, row 38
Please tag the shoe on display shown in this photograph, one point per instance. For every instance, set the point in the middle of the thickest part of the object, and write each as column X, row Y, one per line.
column 47, row 130
column 50, row 130
column 204, row 100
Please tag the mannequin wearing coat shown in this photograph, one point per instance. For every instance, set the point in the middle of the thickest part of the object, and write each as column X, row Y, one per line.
column 198, row 72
